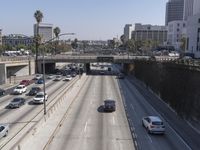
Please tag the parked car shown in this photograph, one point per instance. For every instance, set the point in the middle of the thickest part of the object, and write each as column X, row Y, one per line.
column 68, row 78
column 39, row 98
column 4, row 128
column 109, row 105
column 2, row 92
column 34, row 91
column 40, row 81
column 153, row 124
column 20, row 89
column 25, row 82
column 17, row 102
column 58, row 78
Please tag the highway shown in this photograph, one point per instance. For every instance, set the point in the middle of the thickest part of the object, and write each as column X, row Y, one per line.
column 87, row 127
column 22, row 119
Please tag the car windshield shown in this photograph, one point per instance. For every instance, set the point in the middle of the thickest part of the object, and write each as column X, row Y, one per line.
column 39, row 96
column 157, row 123
column 19, row 87
column 16, row 100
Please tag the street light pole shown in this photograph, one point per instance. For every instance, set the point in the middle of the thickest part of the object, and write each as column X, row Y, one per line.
column 44, row 88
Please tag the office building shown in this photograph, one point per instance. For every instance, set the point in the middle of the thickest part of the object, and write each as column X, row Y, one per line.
column 14, row 40
column 174, row 10
column 176, row 31
column 127, row 32
column 150, row 32
column 0, row 36
column 188, row 9
column 45, row 31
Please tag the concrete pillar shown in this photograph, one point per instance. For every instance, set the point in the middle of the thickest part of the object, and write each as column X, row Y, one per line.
column 3, row 74
column 87, row 68
column 128, row 68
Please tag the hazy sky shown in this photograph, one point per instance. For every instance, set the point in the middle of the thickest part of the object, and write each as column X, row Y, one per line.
column 89, row 19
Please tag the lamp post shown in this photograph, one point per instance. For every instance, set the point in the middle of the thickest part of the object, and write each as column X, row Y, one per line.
column 43, row 61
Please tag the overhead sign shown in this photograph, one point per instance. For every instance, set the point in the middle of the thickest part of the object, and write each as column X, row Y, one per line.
column 105, row 59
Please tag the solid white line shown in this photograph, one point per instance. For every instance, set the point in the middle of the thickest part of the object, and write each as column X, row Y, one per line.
column 149, row 138
column 132, row 107
column 85, row 127
column 113, row 120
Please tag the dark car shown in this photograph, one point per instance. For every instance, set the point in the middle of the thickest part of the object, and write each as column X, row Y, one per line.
column 73, row 74
column 40, row 81
column 2, row 92
column 109, row 105
column 34, row 91
column 25, row 82
column 121, row 76
column 17, row 102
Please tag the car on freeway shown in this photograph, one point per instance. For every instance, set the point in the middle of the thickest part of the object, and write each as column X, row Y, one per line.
column 109, row 69
column 153, row 124
column 40, row 81
column 2, row 92
column 73, row 74
column 20, row 89
column 37, row 77
column 109, row 105
column 4, row 128
column 121, row 76
column 17, row 102
column 50, row 76
column 58, row 78
column 25, row 82
column 102, row 72
column 34, row 91
column 39, row 98
column 68, row 78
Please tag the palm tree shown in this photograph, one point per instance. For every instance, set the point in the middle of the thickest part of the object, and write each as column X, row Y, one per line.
column 38, row 17
column 56, row 31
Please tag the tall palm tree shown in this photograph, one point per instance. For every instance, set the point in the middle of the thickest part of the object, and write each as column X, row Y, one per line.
column 38, row 17
column 56, row 31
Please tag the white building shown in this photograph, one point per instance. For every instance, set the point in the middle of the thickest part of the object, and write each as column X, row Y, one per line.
column 45, row 31
column 127, row 32
column 0, row 36
column 193, row 30
column 176, row 31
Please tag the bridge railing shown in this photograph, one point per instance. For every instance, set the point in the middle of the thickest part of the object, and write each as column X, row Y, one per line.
column 15, row 58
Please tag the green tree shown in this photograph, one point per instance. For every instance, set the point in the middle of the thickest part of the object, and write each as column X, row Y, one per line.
column 56, row 31
column 183, row 44
column 75, row 44
column 38, row 17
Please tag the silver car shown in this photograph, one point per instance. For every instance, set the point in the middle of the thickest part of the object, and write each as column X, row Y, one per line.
column 4, row 128
column 153, row 124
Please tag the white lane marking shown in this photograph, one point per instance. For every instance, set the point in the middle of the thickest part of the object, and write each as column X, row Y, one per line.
column 149, row 138
column 113, row 120
column 85, row 127
column 132, row 107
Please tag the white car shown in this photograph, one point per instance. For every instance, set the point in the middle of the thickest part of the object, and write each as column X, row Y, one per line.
column 38, row 76
column 20, row 89
column 50, row 76
column 58, row 78
column 68, row 78
column 153, row 124
column 39, row 98
column 4, row 128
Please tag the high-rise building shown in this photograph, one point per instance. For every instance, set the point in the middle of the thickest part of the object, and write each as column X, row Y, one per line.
column 45, row 31
column 196, row 7
column 174, row 10
column 127, row 32
column 150, row 32
column 0, row 36
column 188, row 9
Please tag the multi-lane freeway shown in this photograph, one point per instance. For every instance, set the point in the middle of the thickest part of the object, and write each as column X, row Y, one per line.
column 86, row 126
